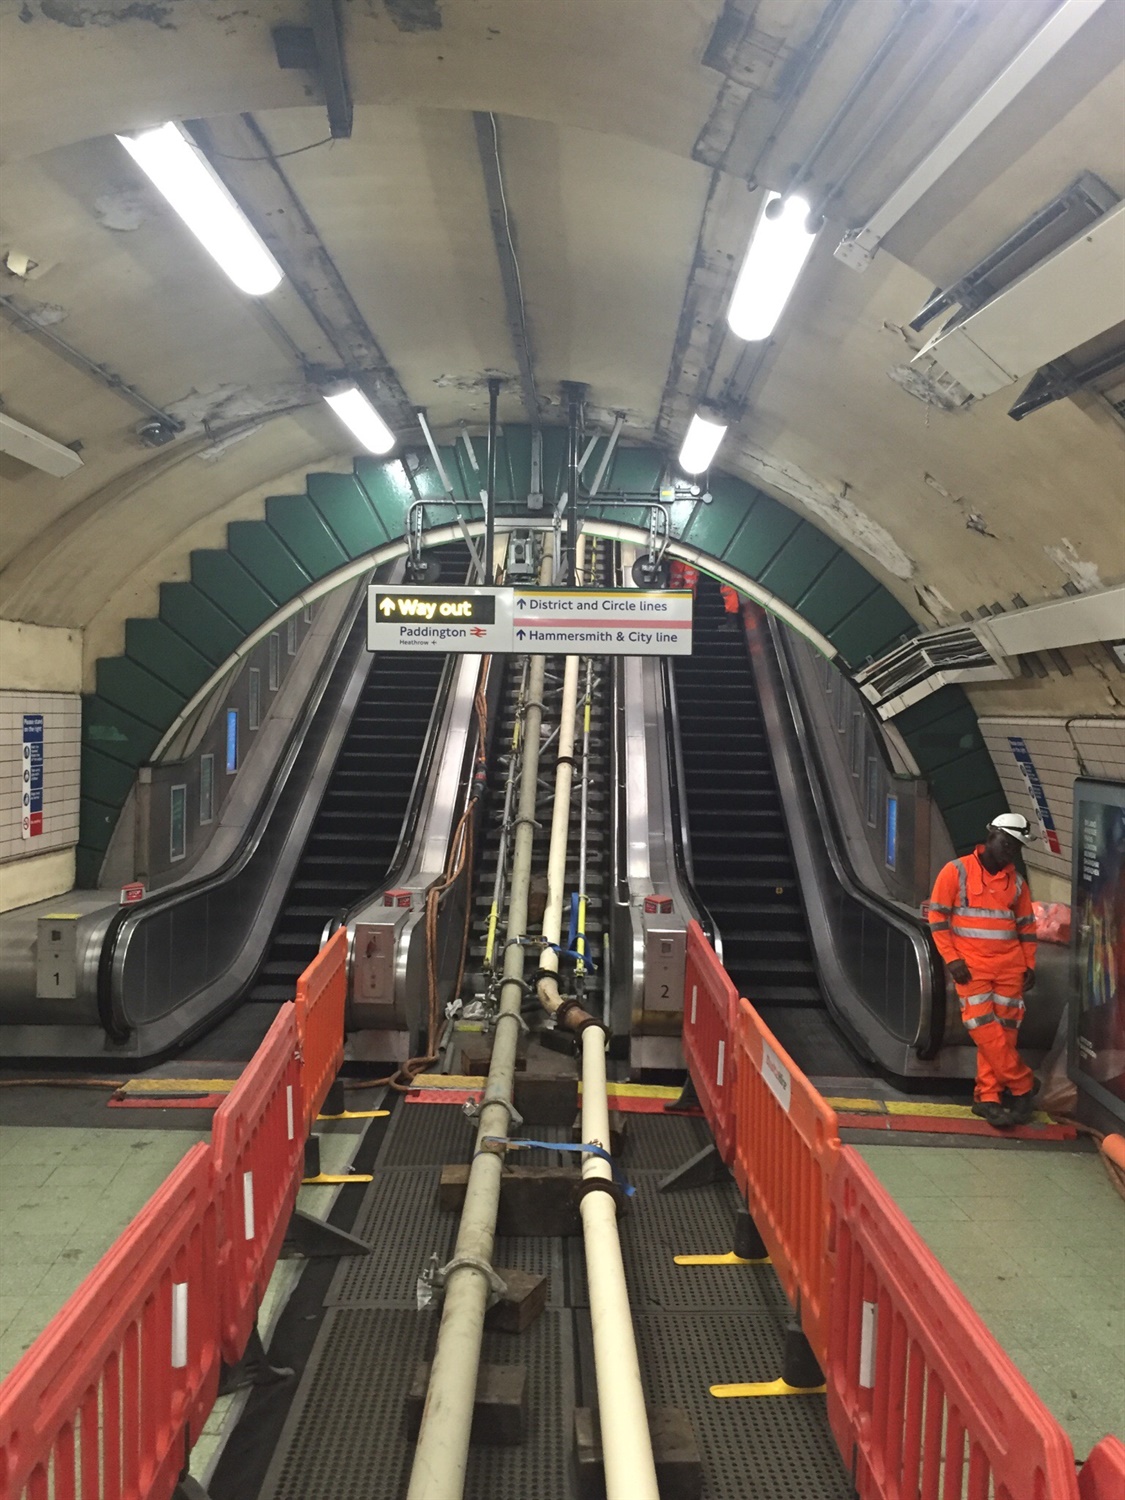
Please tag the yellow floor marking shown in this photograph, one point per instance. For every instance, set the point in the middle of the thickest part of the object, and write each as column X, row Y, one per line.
column 179, row 1086
column 358, row 1114
column 327, row 1178
column 727, row 1259
column 767, row 1388
column 935, row 1111
column 642, row 1091
column 857, row 1106
column 449, row 1081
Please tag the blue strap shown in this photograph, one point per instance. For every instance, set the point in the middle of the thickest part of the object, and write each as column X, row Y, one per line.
column 572, row 935
column 589, row 1149
column 571, row 953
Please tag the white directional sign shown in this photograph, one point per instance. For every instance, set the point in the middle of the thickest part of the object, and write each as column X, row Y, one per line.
column 540, row 622
column 439, row 619
column 603, row 622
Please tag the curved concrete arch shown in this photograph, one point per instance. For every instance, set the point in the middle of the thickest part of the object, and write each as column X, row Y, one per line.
column 308, row 544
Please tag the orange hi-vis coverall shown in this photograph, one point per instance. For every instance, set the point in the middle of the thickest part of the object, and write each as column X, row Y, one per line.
column 987, row 921
column 731, row 603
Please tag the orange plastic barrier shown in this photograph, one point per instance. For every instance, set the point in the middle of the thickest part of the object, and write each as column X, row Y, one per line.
column 1102, row 1476
column 259, row 1152
column 786, row 1149
column 322, row 993
column 112, row 1394
column 922, row 1399
column 710, row 1004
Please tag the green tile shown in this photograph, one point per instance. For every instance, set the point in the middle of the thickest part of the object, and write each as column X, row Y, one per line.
column 266, row 557
column 301, row 527
column 231, row 588
column 343, row 503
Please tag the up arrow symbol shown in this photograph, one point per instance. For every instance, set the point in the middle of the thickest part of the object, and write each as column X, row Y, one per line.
column 388, row 606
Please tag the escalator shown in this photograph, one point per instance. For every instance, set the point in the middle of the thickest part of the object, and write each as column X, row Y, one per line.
column 352, row 844
column 742, row 860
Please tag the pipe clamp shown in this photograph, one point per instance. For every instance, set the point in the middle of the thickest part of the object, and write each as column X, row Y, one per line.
column 496, row 1287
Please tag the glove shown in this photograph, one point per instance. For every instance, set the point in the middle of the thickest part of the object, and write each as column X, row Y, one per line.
column 1029, row 981
column 959, row 970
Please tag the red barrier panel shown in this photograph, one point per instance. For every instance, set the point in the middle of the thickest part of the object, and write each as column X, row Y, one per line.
column 259, row 1153
column 710, row 1002
column 786, row 1148
column 1102, row 1476
column 922, row 1399
column 110, row 1397
column 322, row 993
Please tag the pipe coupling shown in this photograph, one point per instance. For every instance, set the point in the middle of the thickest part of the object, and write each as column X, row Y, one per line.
column 496, row 1287
column 473, row 1111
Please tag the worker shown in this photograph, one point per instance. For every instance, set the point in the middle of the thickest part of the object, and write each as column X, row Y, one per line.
column 982, row 922
column 731, row 606
column 682, row 575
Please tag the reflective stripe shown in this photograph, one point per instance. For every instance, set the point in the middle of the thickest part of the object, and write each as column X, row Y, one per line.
column 939, row 926
column 984, row 911
column 993, row 934
column 1010, row 1024
column 1019, row 886
column 1028, row 921
column 972, row 1022
column 964, row 1000
column 962, row 889
column 937, row 906
column 1028, row 937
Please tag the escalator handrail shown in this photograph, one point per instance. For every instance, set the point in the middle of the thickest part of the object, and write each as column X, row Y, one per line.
column 681, row 827
column 113, row 1022
column 930, row 970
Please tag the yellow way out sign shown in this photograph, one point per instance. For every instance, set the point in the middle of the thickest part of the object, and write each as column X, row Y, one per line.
column 586, row 622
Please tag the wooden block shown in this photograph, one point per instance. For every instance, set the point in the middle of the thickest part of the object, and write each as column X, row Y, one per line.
column 679, row 1467
column 524, row 1300
column 476, row 1053
column 533, row 1200
column 499, row 1408
column 618, row 1128
column 546, row 1099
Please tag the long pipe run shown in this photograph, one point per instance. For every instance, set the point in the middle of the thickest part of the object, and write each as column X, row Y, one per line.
column 441, row 1455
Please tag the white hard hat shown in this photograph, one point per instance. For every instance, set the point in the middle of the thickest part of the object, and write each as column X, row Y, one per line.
column 1015, row 825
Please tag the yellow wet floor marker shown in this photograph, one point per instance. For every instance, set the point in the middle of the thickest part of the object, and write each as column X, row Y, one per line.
column 327, row 1179
column 358, row 1114
column 767, row 1388
column 727, row 1259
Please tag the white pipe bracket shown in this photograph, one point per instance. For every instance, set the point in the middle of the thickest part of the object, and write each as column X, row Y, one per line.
column 497, row 1288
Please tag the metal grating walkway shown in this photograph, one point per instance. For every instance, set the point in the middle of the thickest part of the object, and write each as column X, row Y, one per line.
column 344, row 1438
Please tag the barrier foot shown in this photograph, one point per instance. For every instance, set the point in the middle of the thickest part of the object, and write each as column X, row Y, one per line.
column 799, row 1367
column 312, row 1157
column 766, row 1388
column 728, row 1258
column 704, row 1167
column 253, row 1368
column 189, row 1489
column 334, row 1101
column 748, row 1243
column 688, row 1099
column 314, row 1239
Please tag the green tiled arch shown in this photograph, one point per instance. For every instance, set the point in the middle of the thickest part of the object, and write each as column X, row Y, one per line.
column 342, row 517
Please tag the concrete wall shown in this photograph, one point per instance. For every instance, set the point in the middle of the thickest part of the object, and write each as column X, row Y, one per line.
column 40, row 673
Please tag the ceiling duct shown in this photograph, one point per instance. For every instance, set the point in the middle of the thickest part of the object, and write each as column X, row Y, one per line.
column 1063, row 302
column 918, row 668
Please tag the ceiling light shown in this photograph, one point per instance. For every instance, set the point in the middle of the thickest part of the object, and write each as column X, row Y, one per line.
column 185, row 177
column 360, row 417
column 778, row 249
column 701, row 443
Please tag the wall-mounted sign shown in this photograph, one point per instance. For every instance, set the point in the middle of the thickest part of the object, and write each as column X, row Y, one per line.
column 31, row 786
column 1036, row 792
column 545, row 622
column 1097, row 1058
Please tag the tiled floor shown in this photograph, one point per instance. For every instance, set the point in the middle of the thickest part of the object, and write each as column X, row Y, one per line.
column 65, row 1196
column 1036, row 1242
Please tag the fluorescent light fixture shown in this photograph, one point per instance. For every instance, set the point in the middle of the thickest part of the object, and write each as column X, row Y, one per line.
column 701, row 443
column 778, row 249
column 36, row 449
column 363, row 421
column 183, row 174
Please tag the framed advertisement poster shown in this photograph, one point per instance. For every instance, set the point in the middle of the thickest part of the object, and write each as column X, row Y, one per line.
column 1097, row 1058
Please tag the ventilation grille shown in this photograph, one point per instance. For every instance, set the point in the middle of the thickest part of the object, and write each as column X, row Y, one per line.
column 919, row 667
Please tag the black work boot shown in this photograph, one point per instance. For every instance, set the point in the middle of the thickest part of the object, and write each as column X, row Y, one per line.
column 1022, row 1106
column 993, row 1112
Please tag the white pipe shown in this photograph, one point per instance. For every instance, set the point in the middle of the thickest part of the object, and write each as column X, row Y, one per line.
column 560, row 828
column 630, row 1470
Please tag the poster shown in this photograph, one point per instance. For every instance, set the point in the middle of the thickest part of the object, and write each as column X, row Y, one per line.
column 31, row 821
column 1099, row 928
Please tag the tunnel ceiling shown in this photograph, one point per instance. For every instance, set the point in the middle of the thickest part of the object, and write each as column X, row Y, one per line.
column 632, row 143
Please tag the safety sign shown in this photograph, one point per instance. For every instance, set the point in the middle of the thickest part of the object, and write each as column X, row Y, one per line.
column 539, row 621
column 31, row 820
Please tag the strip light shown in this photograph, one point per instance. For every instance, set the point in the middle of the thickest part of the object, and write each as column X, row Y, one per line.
column 778, row 250
column 362, row 420
column 182, row 173
column 701, row 443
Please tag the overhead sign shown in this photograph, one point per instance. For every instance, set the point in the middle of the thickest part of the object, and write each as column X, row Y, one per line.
column 604, row 622
column 542, row 622
column 439, row 619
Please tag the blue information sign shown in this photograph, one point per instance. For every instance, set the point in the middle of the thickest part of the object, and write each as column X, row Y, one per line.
column 31, row 822
column 892, row 832
column 232, row 740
